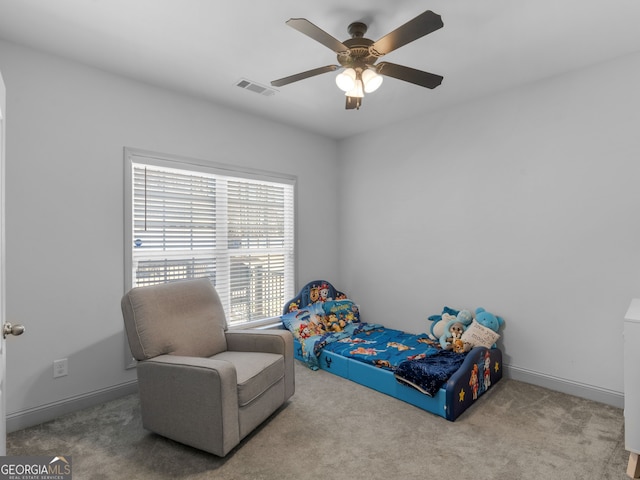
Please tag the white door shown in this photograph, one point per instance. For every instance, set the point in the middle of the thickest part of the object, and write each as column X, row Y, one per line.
column 5, row 328
column 3, row 356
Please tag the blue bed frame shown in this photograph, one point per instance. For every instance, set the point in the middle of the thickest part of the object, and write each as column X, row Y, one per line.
column 460, row 392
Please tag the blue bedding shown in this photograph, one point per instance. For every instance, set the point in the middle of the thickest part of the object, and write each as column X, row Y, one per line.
column 384, row 347
column 312, row 346
column 430, row 373
column 415, row 360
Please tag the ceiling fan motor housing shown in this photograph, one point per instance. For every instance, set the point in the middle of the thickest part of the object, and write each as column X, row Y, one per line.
column 359, row 55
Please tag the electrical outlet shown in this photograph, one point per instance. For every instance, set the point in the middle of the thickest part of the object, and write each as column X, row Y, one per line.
column 60, row 368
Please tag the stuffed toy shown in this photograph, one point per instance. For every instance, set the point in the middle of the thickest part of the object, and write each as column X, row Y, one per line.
column 439, row 322
column 483, row 330
column 488, row 320
column 438, row 327
column 454, row 339
column 463, row 318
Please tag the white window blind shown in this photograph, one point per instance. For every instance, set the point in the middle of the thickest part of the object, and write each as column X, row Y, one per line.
column 190, row 220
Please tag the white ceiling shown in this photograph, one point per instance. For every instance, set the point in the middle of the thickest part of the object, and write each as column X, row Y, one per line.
column 203, row 47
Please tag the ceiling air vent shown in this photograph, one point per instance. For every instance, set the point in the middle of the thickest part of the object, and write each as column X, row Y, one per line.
column 255, row 87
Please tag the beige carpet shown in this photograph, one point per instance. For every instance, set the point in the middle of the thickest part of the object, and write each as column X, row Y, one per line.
column 335, row 429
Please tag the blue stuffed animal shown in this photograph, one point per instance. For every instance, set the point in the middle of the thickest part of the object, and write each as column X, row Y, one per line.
column 488, row 320
column 440, row 321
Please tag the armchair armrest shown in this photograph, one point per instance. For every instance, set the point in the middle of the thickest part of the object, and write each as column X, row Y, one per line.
column 269, row 341
column 254, row 340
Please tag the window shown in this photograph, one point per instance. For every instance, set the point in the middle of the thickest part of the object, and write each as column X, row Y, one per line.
column 189, row 219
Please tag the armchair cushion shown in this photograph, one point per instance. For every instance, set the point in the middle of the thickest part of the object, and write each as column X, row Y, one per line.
column 256, row 372
column 156, row 320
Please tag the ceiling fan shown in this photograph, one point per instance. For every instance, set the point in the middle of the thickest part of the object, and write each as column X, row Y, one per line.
column 358, row 56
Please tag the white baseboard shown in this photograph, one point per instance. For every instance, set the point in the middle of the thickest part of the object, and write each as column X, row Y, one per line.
column 590, row 392
column 45, row 413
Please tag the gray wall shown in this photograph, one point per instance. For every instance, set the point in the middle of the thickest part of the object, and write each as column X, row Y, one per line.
column 525, row 203
column 66, row 129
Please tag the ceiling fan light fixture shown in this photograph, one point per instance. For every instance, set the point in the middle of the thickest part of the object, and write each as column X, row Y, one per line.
column 357, row 91
column 371, row 80
column 346, row 80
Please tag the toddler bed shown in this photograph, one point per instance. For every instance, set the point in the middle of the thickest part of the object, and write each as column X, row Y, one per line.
column 329, row 335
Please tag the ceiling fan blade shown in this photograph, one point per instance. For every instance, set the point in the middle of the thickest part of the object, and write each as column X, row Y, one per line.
column 420, row 26
column 301, row 76
column 309, row 29
column 353, row 103
column 418, row 77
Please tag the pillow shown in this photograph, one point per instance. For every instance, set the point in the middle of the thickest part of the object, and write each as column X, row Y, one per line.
column 341, row 311
column 320, row 318
column 479, row 335
column 303, row 323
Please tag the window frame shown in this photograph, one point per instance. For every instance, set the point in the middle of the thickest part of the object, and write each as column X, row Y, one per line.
column 138, row 156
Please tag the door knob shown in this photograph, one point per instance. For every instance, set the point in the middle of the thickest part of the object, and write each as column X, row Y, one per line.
column 12, row 330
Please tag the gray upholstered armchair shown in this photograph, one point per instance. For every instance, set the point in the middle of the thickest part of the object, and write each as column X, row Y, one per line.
column 200, row 383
